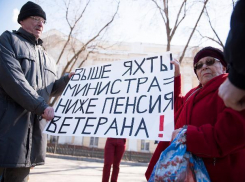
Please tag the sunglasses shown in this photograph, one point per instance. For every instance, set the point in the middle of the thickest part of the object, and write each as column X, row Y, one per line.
column 208, row 62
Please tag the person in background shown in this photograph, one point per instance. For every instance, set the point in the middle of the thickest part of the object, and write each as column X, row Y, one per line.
column 113, row 153
column 214, row 132
column 232, row 91
column 27, row 81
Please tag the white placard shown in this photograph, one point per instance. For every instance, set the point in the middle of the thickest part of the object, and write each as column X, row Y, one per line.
column 123, row 99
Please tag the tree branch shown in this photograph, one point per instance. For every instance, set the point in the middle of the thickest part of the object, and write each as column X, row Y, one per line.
column 80, row 65
column 177, row 22
column 71, row 28
column 91, row 40
column 210, row 38
column 160, row 10
column 219, row 40
column 187, row 44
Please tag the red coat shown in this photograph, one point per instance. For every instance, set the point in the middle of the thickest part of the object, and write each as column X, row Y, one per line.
column 215, row 133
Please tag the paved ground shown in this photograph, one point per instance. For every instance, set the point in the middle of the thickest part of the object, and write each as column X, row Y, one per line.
column 71, row 169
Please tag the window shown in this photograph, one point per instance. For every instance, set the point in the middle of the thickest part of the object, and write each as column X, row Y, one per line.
column 145, row 145
column 94, row 141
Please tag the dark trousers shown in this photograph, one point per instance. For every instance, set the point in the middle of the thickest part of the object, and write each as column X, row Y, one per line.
column 15, row 174
column 114, row 149
column 1, row 173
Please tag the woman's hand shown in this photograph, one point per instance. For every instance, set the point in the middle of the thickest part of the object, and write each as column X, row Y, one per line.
column 177, row 67
column 175, row 133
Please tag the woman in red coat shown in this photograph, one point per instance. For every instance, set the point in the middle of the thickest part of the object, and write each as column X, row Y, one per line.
column 214, row 132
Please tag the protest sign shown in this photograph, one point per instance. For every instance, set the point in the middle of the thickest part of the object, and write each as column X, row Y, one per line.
column 122, row 99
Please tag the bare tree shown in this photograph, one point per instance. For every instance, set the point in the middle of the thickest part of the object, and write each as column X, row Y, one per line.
column 218, row 41
column 164, row 11
column 193, row 30
column 83, row 48
column 77, row 51
column 215, row 37
column 71, row 26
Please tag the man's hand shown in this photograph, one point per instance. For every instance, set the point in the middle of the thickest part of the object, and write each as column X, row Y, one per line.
column 71, row 74
column 177, row 67
column 232, row 96
column 48, row 114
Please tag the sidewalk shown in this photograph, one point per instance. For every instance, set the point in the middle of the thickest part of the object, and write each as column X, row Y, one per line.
column 79, row 169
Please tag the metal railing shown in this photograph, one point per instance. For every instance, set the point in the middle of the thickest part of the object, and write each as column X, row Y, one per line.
column 74, row 150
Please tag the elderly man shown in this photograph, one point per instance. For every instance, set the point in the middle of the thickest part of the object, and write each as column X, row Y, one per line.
column 27, row 81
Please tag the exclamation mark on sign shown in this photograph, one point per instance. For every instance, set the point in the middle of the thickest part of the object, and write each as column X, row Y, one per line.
column 161, row 124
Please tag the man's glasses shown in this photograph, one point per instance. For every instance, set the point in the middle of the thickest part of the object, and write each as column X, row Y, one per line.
column 208, row 62
column 37, row 19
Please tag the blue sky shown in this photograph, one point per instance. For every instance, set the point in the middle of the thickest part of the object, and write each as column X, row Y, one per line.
column 7, row 10
column 132, row 23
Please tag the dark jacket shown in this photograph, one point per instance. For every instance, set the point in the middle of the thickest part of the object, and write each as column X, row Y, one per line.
column 235, row 46
column 27, row 80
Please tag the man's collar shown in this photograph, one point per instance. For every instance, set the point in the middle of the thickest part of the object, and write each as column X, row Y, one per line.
column 30, row 37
